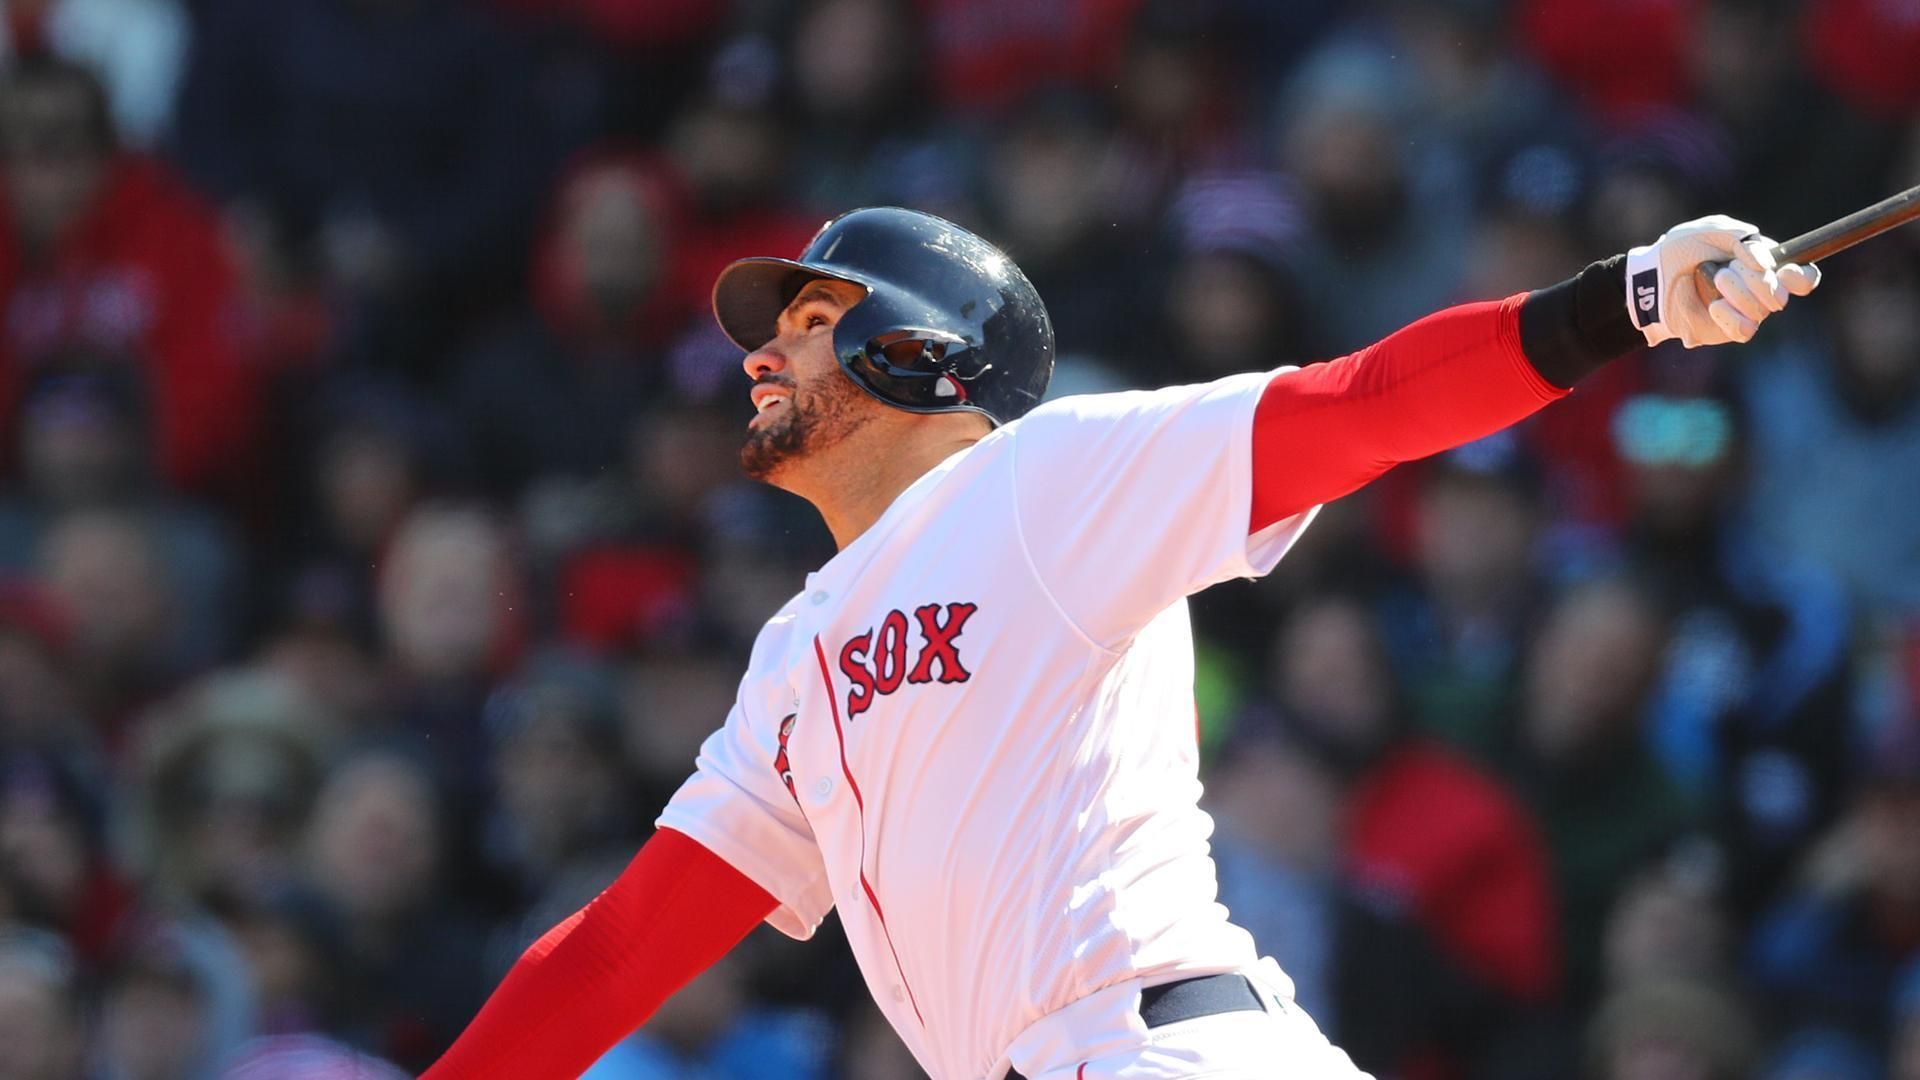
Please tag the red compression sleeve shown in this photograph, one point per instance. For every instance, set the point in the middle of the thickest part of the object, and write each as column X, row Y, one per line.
column 1323, row 431
column 675, row 910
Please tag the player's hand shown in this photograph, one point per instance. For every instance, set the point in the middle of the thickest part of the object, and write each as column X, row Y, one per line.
column 1664, row 303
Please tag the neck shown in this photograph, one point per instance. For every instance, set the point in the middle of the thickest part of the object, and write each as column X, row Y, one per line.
column 857, row 480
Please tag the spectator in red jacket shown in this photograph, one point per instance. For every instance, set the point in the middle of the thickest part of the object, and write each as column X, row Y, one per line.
column 1423, row 824
column 105, row 251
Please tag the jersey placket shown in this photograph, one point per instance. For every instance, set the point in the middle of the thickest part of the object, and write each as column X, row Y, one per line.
column 860, row 808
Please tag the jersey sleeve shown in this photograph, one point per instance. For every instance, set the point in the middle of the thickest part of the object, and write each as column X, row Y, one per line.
column 1127, row 502
column 737, row 805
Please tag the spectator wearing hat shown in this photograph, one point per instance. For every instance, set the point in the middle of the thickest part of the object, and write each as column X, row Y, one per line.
column 1230, row 300
column 1387, row 206
column 85, row 443
column 226, row 775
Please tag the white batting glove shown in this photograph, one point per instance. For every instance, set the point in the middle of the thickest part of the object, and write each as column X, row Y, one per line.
column 1662, row 300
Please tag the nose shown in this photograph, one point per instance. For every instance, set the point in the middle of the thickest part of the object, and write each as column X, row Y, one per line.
column 765, row 360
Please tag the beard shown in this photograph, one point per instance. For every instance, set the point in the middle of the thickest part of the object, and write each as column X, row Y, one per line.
column 815, row 418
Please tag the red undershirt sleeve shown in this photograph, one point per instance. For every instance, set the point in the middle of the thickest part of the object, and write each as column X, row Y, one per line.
column 1323, row 431
column 591, row 980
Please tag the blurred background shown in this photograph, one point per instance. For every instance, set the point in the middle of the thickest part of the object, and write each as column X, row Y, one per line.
column 373, row 553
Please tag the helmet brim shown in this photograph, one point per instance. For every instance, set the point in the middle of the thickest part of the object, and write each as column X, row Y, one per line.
column 750, row 294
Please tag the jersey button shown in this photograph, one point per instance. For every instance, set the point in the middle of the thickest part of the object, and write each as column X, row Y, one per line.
column 822, row 788
column 899, row 995
column 819, row 597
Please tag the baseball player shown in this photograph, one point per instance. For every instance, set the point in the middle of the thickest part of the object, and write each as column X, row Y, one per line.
column 972, row 731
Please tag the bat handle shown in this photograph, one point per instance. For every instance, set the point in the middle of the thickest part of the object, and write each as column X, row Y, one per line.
column 1828, row 239
column 1708, row 292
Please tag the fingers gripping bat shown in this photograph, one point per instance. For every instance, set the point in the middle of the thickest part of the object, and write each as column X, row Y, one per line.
column 1828, row 239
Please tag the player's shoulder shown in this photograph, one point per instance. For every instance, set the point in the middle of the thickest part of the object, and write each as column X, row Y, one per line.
column 772, row 639
column 1078, row 410
column 1118, row 407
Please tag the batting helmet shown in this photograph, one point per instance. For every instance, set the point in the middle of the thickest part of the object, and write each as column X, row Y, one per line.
column 949, row 323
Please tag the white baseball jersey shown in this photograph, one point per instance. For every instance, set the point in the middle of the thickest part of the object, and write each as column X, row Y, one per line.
column 973, row 732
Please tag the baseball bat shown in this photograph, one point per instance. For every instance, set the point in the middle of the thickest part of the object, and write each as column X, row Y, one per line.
column 1829, row 239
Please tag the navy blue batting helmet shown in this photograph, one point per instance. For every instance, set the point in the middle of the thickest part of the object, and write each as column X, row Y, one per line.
column 949, row 323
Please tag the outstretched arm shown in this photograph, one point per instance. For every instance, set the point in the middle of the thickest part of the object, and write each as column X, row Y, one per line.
column 1323, row 431
column 675, row 910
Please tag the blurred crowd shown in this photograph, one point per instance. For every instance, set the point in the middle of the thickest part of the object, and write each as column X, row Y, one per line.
column 374, row 556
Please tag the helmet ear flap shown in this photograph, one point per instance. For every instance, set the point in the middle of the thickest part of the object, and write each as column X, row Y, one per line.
column 948, row 321
column 912, row 367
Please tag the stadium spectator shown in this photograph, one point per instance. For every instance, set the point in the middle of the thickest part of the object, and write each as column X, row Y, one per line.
column 1829, row 954
column 1670, row 923
column 1423, row 828
column 157, row 1022
column 85, row 443
column 1579, row 761
column 227, row 772
column 376, row 853
column 107, row 570
column 316, row 454
column 54, row 855
column 1359, row 962
column 1388, row 210
column 139, row 47
column 555, row 833
column 451, row 617
column 865, row 144
column 1835, row 421
column 550, row 397
column 105, row 251
column 1752, row 703
column 1455, row 630
column 1670, row 1029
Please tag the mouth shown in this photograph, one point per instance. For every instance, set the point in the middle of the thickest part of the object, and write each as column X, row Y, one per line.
column 770, row 397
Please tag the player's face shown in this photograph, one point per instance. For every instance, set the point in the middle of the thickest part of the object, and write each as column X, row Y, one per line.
column 803, row 401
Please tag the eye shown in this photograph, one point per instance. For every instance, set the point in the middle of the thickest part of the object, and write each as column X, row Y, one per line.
column 815, row 321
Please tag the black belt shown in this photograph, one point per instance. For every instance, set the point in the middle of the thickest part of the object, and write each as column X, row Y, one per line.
column 1205, row 995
